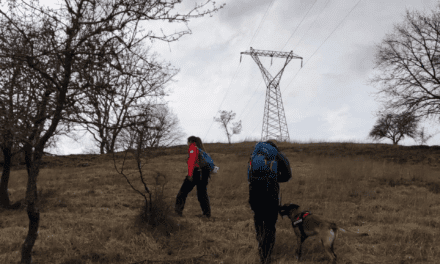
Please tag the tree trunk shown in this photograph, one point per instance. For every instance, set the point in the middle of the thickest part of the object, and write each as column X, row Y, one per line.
column 4, row 195
column 33, row 211
column 113, row 142
column 227, row 134
column 394, row 140
column 34, row 220
column 101, row 147
column 109, row 146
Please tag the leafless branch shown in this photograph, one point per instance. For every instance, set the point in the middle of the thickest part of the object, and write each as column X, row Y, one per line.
column 408, row 66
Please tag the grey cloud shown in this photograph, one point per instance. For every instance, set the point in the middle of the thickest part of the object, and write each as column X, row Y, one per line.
column 362, row 60
column 236, row 11
column 354, row 65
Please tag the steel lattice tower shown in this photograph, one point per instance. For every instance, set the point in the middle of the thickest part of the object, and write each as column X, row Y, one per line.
column 274, row 119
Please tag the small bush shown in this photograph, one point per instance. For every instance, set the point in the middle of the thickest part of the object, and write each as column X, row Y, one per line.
column 157, row 216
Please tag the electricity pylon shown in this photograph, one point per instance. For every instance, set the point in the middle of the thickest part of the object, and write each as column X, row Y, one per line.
column 274, row 119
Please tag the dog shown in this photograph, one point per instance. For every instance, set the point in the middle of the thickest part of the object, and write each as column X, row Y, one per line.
column 306, row 225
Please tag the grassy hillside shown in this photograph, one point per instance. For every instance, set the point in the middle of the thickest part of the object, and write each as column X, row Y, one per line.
column 89, row 214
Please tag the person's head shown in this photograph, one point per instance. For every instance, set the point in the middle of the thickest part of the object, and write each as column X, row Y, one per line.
column 273, row 142
column 197, row 140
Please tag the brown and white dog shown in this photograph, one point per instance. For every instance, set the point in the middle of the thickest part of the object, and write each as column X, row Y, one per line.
column 306, row 225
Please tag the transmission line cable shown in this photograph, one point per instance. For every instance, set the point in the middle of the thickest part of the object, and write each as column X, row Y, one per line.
column 224, row 97
column 261, row 23
column 311, row 25
column 249, row 102
column 255, row 128
column 236, row 71
column 299, row 24
column 324, row 42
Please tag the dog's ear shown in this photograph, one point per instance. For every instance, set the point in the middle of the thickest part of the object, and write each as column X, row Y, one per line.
column 292, row 207
column 280, row 210
column 283, row 207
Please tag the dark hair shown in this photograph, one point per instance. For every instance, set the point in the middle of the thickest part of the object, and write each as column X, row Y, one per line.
column 273, row 142
column 198, row 141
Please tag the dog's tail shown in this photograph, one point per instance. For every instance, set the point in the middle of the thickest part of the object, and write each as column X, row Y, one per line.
column 348, row 232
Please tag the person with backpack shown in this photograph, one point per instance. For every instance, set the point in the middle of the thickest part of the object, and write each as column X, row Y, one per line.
column 267, row 167
column 200, row 166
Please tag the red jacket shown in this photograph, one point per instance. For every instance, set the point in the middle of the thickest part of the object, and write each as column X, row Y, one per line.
column 193, row 159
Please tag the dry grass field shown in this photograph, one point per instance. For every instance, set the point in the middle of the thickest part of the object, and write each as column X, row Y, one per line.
column 89, row 214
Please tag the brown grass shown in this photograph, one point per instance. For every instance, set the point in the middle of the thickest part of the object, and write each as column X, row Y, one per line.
column 91, row 215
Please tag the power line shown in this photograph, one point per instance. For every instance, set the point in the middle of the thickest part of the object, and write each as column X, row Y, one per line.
column 236, row 71
column 249, row 101
column 312, row 24
column 299, row 24
column 324, row 42
column 255, row 128
column 261, row 22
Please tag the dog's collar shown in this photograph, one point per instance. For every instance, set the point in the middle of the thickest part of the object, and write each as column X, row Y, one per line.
column 299, row 217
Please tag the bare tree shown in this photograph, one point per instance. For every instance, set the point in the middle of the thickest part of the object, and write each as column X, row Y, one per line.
column 395, row 127
column 111, row 110
column 158, row 126
column 224, row 120
column 408, row 64
column 422, row 137
column 156, row 211
column 17, row 98
column 56, row 46
column 11, row 80
column 168, row 131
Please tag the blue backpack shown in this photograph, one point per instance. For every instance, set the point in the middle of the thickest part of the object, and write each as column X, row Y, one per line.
column 205, row 161
column 263, row 164
column 267, row 162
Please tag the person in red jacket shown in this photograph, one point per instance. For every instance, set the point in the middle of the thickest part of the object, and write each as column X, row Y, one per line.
column 196, row 176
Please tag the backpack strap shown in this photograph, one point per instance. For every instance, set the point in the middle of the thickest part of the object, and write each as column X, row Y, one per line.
column 271, row 163
column 250, row 168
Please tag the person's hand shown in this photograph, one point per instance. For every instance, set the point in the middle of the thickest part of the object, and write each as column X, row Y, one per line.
column 190, row 178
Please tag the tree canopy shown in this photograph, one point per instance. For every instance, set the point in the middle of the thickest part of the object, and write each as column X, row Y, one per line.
column 224, row 120
column 408, row 66
column 395, row 127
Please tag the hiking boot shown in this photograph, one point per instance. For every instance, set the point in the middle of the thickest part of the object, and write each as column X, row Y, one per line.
column 204, row 217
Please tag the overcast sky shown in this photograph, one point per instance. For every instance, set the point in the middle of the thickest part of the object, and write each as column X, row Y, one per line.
column 328, row 99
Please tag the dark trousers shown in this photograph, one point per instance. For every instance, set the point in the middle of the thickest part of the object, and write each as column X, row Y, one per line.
column 263, row 199
column 201, row 180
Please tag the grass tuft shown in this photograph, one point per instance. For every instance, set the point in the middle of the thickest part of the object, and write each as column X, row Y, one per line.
column 157, row 216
